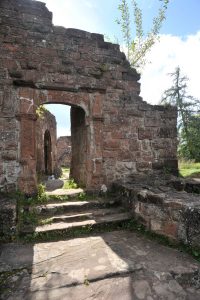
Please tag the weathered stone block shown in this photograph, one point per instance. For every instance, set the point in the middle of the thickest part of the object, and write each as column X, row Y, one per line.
column 170, row 229
column 145, row 133
column 64, row 151
column 7, row 218
column 111, row 144
column 142, row 166
column 9, row 155
column 167, row 132
column 152, row 122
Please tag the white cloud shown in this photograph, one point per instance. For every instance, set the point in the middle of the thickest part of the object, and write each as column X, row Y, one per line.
column 170, row 52
column 63, row 131
column 81, row 14
column 166, row 55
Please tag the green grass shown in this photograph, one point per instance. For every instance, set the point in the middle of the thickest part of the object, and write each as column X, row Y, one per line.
column 189, row 169
column 70, row 184
column 64, row 169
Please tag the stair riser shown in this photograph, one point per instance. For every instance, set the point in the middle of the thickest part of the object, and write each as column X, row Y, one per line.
column 83, row 218
column 52, row 211
column 75, row 231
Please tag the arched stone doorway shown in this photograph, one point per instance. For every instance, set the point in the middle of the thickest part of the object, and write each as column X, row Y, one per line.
column 47, row 153
column 86, row 128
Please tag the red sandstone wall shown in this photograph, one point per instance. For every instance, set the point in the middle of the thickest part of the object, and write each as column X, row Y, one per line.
column 45, row 122
column 64, row 151
column 41, row 63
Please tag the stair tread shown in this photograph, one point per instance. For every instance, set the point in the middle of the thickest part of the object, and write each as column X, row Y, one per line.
column 97, row 220
column 74, row 203
column 64, row 192
column 66, row 203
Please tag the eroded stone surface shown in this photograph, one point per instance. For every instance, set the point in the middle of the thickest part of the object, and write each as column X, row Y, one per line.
column 8, row 217
column 64, row 151
column 46, row 150
column 117, row 265
column 162, row 205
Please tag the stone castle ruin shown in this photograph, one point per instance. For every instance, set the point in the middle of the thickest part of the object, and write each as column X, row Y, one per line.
column 46, row 140
column 119, row 143
column 64, row 151
column 114, row 132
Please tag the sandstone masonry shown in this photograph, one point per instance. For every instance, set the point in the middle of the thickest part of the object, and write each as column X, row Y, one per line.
column 114, row 132
column 64, row 151
column 46, row 140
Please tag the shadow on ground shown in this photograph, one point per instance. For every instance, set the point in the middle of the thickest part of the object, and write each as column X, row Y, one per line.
column 116, row 265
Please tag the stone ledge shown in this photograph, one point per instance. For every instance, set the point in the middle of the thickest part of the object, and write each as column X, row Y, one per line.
column 162, row 209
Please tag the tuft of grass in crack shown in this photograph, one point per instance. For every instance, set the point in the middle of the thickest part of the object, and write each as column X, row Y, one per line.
column 59, row 198
column 70, row 184
column 45, row 221
column 25, row 216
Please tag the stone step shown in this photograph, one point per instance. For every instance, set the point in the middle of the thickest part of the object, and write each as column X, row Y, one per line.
column 65, row 228
column 84, row 216
column 73, row 197
column 72, row 206
column 71, row 193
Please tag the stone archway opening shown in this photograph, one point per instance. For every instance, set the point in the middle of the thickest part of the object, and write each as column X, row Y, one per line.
column 65, row 145
column 47, row 153
column 78, row 168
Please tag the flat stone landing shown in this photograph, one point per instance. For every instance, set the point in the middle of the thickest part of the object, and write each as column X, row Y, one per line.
column 116, row 265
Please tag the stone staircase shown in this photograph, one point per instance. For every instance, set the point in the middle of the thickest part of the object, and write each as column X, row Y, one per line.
column 72, row 217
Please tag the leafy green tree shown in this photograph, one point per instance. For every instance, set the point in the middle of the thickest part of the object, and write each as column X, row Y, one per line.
column 139, row 45
column 187, row 107
column 191, row 150
column 40, row 111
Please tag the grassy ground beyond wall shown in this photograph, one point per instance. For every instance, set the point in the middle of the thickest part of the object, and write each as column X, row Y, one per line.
column 189, row 169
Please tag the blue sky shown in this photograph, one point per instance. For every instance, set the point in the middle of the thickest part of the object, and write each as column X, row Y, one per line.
column 179, row 42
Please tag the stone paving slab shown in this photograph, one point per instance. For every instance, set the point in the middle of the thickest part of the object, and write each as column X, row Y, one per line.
column 115, row 265
column 63, row 192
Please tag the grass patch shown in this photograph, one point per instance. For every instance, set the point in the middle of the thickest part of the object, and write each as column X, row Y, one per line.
column 70, row 184
column 59, row 198
column 64, row 169
column 189, row 169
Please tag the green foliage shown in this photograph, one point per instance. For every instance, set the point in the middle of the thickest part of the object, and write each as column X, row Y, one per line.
column 125, row 25
column 45, row 221
column 40, row 198
column 82, row 196
column 86, row 281
column 58, row 197
column 65, row 169
column 70, row 184
column 41, row 190
column 40, row 111
column 140, row 45
column 189, row 169
column 29, row 217
column 189, row 147
column 188, row 122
